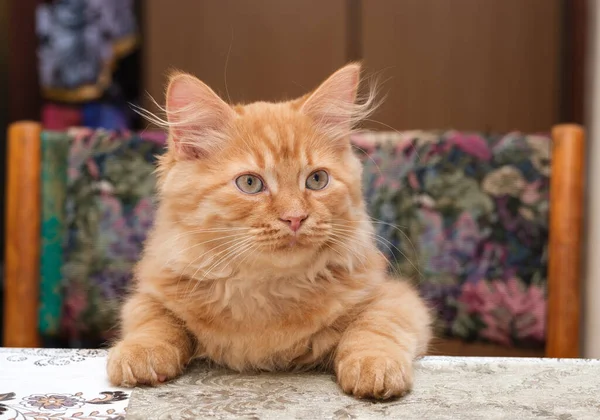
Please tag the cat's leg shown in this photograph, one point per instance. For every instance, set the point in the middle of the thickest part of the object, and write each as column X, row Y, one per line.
column 154, row 347
column 375, row 355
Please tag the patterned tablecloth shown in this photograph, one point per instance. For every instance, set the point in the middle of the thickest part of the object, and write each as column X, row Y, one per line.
column 50, row 384
column 71, row 384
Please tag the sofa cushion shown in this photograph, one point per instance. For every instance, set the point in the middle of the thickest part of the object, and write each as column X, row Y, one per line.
column 465, row 217
column 109, row 209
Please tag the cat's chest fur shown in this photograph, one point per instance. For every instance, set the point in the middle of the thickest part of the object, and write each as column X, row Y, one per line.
column 274, row 324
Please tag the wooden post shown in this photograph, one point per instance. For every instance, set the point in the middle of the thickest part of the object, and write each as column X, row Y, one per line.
column 22, row 259
column 565, row 243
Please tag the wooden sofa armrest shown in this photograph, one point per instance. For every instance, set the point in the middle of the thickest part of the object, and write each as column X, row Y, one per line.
column 565, row 242
column 22, row 258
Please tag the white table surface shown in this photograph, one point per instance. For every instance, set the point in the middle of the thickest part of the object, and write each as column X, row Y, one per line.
column 58, row 384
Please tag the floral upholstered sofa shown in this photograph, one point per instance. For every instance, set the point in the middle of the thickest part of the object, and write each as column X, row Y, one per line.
column 463, row 215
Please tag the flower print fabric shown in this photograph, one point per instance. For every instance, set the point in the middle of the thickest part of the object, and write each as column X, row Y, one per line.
column 465, row 216
column 109, row 211
column 470, row 217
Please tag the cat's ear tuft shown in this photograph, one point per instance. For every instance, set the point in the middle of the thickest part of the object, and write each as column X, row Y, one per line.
column 334, row 106
column 197, row 116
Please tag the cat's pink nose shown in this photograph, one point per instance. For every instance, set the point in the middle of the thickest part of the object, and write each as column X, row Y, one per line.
column 294, row 222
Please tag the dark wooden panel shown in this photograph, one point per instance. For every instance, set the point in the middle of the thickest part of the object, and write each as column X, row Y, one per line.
column 277, row 48
column 3, row 126
column 24, row 93
column 4, row 111
column 467, row 64
column 455, row 347
column 575, row 34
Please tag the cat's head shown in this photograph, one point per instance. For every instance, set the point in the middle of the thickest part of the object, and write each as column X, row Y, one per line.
column 279, row 181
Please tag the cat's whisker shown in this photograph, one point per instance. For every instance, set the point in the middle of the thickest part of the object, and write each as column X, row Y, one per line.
column 235, row 242
column 201, row 231
column 197, row 258
column 236, row 239
column 219, row 257
column 376, row 236
column 346, row 237
column 232, row 250
column 226, row 64
column 209, row 230
column 369, row 157
column 334, row 250
column 238, row 251
column 225, row 251
column 351, row 234
column 176, row 238
column 218, row 229
column 338, row 241
column 370, row 220
column 248, row 253
column 394, row 268
column 220, row 238
column 397, row 228
column 384, row 241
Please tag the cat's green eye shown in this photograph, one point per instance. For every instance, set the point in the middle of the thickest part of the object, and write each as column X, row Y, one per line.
column 317, row 180
column 249, row 184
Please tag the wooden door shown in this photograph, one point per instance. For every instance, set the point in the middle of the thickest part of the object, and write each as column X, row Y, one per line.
column 465, row 64
column 265, row 49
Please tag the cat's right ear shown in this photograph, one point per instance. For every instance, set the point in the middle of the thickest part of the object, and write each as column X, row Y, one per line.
column 334, row 107
column 197, row 117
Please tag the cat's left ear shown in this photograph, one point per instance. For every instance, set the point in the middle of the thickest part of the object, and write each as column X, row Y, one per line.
column 333, row 105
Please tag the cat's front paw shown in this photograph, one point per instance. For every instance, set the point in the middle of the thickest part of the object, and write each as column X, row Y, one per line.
column 380, row 376
column 131, row 363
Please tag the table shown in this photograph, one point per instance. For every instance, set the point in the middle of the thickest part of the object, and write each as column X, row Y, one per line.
column 38, row 383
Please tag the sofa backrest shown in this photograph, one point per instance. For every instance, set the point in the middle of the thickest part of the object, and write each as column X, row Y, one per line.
column 463, row 215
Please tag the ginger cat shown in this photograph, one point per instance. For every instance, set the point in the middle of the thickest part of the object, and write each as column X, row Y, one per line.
column 262, row 256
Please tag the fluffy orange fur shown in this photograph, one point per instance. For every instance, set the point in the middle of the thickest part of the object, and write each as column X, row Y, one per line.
column 286, row 278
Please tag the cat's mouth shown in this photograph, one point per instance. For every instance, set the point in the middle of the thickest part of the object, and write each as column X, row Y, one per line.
column 292, row 242
column 283, row 240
